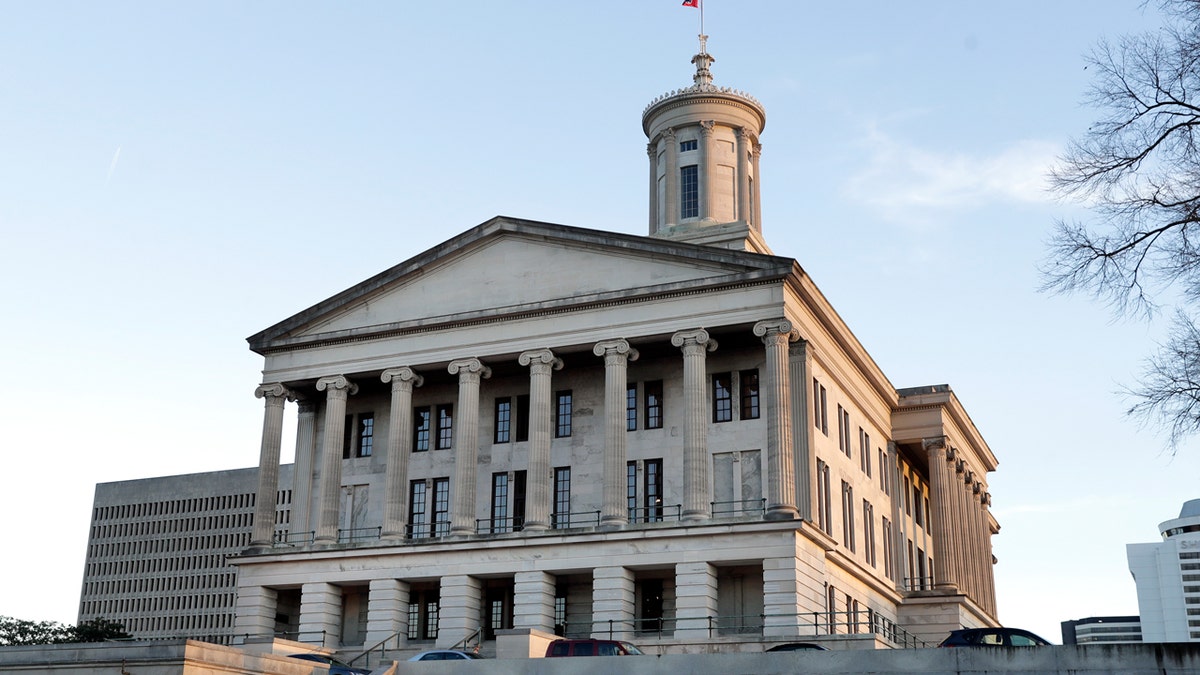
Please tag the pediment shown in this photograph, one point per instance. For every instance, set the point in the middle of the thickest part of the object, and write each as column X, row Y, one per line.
column 509, row 267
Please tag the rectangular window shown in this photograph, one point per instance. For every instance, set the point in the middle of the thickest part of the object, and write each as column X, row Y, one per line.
column 418, row 524
column 906, row 496
column 518, row 500
column 820, row 409
column 918, row 517
column 889, row 565
column 687, row 146
column 653, row 391
column 631, row 490
column 500, row 522
column 884, row 471
column 921, row 576
column 503, row 420
column 913, row 582
column 441, row 506
column 864, row 451
column 445, row 426
column 652, row 494
column 689, row 192
column 522, row 413
column 823, row 498
column 562, row 417
column 562, row 497
column 421, row 425
column 722, row 397
column 748, row 381
column 359, row 439
column 631, row 408
column 869, row 532
column 844, row 441
column 848, row 515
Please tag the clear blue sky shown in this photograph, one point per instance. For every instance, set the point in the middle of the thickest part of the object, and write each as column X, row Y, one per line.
column 177, row 176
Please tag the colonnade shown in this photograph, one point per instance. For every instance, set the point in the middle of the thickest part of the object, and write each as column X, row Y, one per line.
column 746, row 200
column 782, row 499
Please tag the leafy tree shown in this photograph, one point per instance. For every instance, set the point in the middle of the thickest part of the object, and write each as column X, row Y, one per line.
column 1138, row 167
column 23, row 632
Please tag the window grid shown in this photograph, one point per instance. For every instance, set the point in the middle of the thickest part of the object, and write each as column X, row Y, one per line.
column 820, row 407
column 562, row 497
column 864, row 451
column 421, row 428
column 689, row 192
column 722, row 393
column 848, row 516
column 631, row 408
column 417, row 525
column 631, row 484
column 503, row 431
column 441, row 506
column 445, row 426
column 653, row 392
column 653, row 490
column 562, row 418
column 500, row 503
column 366, row 434
column 748, row 383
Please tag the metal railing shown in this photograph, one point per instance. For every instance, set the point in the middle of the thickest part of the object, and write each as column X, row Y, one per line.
column 918, row 583
column 439, row 528
column 562, row 521
column 356, row 534
column 655, row 514
column 739, row 507
column 295, row 537
column 498, row 525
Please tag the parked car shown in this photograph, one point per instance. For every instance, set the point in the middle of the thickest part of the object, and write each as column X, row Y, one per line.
column 591, row 648
column 445, row 655
column 797, row 647
column 993, row 637
column 336, row 667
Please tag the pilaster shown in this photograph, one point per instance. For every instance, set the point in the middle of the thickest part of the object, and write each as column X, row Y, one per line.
column 707, row 172
column 671, row 191
column 617, row 355
column 804, row 460
column 652, row 151
column 743, row 173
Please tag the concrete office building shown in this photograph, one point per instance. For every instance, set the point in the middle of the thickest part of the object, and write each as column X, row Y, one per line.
column 1102, row 630
column 535, row 429
column 1168, row 579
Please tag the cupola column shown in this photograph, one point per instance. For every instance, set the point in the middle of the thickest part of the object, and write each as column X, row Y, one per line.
column 274, row 396
column 776, row 334
column 399, row 447
column 672, row 178
column 541, row 363
column 466, row 445
column 755, row 220
column 337, row 389
column 652, row 152
column 697, row 490
column 707, row 172
column 617, row 355
column 743, row 174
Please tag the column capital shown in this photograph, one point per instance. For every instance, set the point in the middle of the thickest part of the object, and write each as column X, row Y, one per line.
column 938, row 444
column 706, row 127
column 274, row 390
column 768, row 329
column 471, row 366
column 337, row 383
column 617, row 347
column 669, row 133
column 540, row 356
column 741, row 132
column 696, row 336
column 402, row 375
column 652, row 150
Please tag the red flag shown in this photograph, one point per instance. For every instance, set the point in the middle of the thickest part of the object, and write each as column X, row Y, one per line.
column 691, row 3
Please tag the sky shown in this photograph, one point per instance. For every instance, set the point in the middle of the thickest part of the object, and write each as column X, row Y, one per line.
column 175, row 177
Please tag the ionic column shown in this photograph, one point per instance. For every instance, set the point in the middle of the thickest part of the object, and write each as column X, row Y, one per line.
column 985, row 501
column 957, row 544
column 898, row 530
column 302, row 472
column 707, row 173
column 652, row 151
column 777, row 334
column 756, row 193
column 743, row 174
column 697, row 489
column 466, row 444
column 940, row 484
column 617, row 355
column 399, row 448
column 672, row 174
column 977, row 544
column 804, row 461
column 387, row 612
column 274, row 396
column 541, row 363
column 337, row 389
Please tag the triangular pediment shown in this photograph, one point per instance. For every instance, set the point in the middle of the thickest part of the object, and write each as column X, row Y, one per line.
column 510, row 267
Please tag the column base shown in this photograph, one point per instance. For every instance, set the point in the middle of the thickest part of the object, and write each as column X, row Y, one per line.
column 782, row 513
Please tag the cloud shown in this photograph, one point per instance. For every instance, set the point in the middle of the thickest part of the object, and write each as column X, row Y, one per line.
column 913, row 184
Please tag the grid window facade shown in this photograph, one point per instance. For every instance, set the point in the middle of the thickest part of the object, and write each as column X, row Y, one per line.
column 500, row 522
column 441, row 506
column 445, row 426
column 631, row 408
column 503, row 431
column 748, row 383
column 422, row 424
column 562, row 497
column 562, row 415
column 722, row 397
column 653, row 392
column 653, row 490
column 689, row 192
column 418, row 523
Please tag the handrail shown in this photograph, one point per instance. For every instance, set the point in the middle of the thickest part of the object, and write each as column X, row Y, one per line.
column 378, row 645
column 739, row 507
column 467, row 640
column 563, row 521
column 352, row 534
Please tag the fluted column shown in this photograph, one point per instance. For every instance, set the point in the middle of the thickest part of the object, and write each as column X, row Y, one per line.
column 898, row 537
column 337, row 389
column 957, row 543
column 804, row 461
column 466, row 444
column 776, row 335
column 697, row 489
column 302, row 472
column 985, row 501
column 617, row 355
column 743, row 174
column 756, row 193
column 274, row 396
column 707, row 177
column 399, row 448
column 541, row 363
column 977, row 543
column 672, row 174
column 940, row 477
column 652, row 151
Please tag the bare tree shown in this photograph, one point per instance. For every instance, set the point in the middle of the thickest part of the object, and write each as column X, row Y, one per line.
column 1138, row 167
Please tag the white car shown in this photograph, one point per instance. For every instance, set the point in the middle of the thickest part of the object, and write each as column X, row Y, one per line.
column 445, row 655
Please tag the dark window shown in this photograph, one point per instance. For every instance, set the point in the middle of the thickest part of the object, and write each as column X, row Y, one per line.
column 518, row 500
column 562, row 497
column 689, row 192
column 421, row 425
column 522, row 413
column 651, row 615
column 889, row 566
column 418, row 525
column 848, row 515
column 653, row 490
column 824, row 499
column 441, row 506
column 918, row 516
column 687, row 146
column 631, row 491
column 864, row 451
column 445, row 426
column 820, row 407
column 654, row 404
column 844, row 442
column 562, row 417
column 500, row 503
column 722, row 397
column 749, row 389
column 503, row 420
column 869, row 532
column 359, row 435
column 631, row 408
